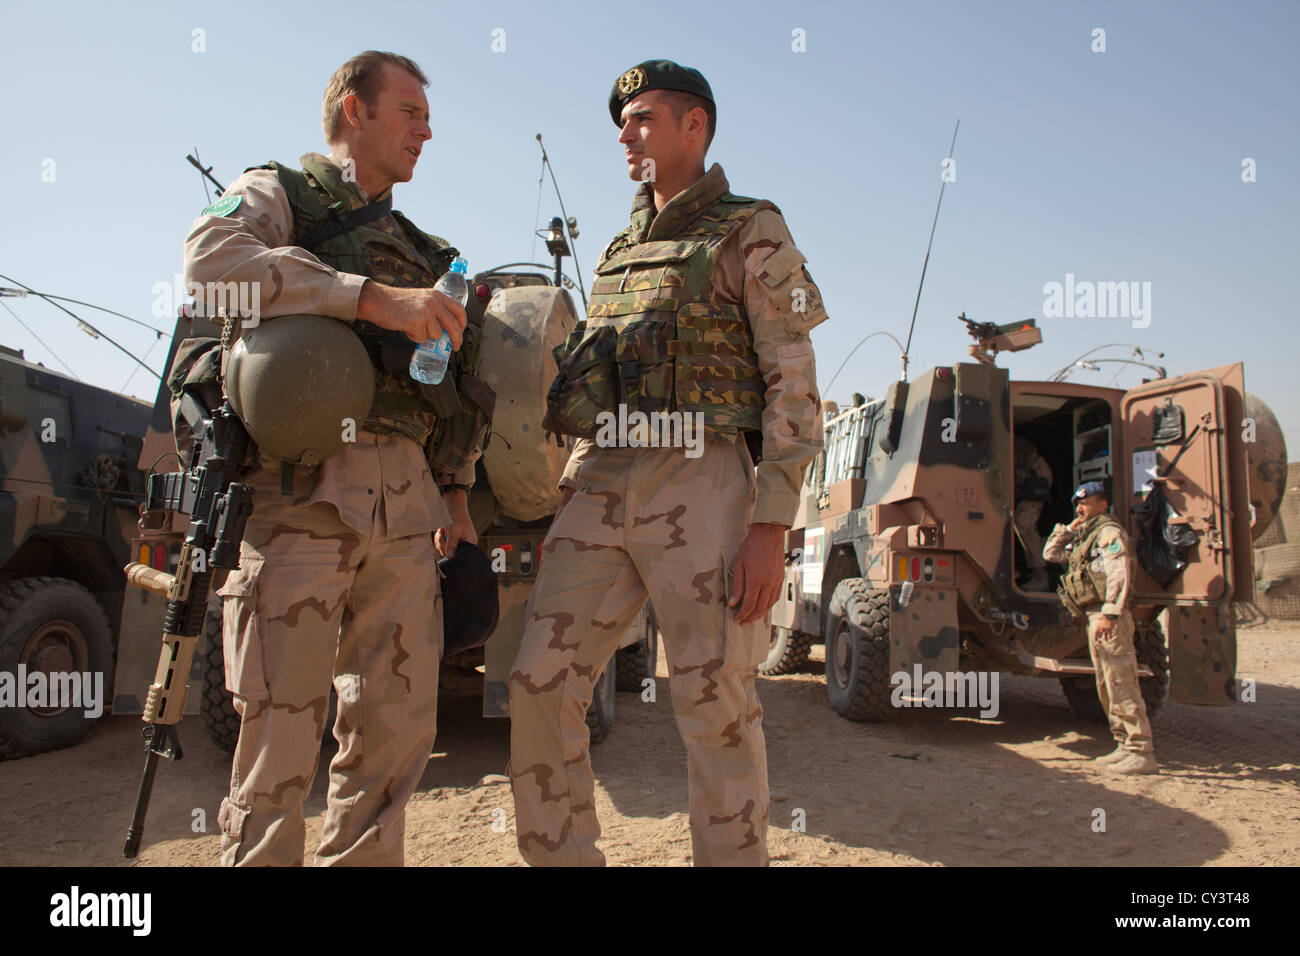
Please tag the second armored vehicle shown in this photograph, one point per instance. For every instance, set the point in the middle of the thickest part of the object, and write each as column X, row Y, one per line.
column 905, row 559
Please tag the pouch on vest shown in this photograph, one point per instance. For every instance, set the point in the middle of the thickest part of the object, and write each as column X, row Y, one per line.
column 715, row 368
column 195, row 383
column 463, row 402
column 586, row 384
column 195, row 371
column 1076, row 612
column 645, row 367
column 455, row 436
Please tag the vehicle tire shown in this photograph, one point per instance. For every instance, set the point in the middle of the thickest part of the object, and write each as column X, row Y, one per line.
column 217, row 705
column 787, row 650
column 600, row 715
column 857, row 651
column 57, row 626
column 1149, row 643
column 633, row 664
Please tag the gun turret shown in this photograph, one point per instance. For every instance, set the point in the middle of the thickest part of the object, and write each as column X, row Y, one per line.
column 1011, row 337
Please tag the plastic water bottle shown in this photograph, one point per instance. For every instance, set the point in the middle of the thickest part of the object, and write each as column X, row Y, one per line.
column 429, row 361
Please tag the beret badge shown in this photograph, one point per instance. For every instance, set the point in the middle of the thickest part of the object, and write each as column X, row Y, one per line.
column 631, row 81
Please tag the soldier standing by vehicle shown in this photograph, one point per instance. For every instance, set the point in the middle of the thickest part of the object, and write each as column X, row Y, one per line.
column 1033, row 487
column 337, row 577
column 1099, row 583
column 701, row 307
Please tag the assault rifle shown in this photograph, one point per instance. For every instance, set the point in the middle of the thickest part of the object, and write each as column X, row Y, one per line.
column 218, row 507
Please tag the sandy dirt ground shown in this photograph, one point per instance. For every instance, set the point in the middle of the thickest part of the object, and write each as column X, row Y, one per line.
column 930, row 788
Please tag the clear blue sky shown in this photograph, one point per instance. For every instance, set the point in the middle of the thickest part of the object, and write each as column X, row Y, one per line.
column 1116, row 166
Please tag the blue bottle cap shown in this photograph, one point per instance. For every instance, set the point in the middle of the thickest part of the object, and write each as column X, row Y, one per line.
column 460, row 265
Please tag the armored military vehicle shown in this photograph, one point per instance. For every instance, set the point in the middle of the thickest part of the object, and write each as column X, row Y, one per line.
column 904, row 558
column 523, row 314
column 69, row 495
column 514, row 496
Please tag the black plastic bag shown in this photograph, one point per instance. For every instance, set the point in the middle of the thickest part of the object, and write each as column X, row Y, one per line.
column 1161, row 545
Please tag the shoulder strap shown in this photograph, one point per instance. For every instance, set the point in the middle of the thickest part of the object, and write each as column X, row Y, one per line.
column 345, row 222
column 311, row 230
column 298, row 189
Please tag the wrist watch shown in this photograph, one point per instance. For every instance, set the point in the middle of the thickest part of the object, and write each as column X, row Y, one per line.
column 443, row 489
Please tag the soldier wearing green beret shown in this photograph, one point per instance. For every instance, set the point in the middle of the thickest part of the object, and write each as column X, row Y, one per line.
column 693, row 363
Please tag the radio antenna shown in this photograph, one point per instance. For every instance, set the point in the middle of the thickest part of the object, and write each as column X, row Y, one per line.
column 943, row 181
column 570, row 225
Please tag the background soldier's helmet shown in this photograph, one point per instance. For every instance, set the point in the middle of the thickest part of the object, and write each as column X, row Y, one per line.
column 302, row 384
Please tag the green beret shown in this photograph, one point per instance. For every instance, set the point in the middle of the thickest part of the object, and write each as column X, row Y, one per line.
column 656, row 75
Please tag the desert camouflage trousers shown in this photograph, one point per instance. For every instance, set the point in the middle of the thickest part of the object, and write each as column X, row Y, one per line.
column 643, row 522
column 317, row 600
column 1115, row 660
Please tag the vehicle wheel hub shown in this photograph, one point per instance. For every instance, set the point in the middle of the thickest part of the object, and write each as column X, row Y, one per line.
column 56, row 647
column 841, row 652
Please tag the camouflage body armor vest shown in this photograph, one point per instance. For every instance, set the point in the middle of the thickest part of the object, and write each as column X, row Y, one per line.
column 449, row 419
column 657, row 337
column 1083, row 585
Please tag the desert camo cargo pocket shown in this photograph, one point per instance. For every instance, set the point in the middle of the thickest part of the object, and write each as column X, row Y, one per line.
column 585, row 385
column 241, row 630
column 744, row 645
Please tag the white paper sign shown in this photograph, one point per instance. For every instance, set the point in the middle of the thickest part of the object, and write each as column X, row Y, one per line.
column 814, row 556
column 1144, row 469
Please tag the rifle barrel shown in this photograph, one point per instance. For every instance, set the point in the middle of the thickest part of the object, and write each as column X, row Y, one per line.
column 135, row 833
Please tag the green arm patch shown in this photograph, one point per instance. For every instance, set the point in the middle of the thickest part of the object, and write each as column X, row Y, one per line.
column 223, row 207
column 1115, row 547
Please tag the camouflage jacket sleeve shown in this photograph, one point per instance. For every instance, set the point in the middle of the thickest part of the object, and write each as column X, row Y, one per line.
column 1111, row 549
column 1054, row 548
column 252, row 244
column 463, row 477
column 783, row 305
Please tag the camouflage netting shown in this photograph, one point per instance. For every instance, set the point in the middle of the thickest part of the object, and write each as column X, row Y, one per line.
column 1277, row 556
column 521, row 327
